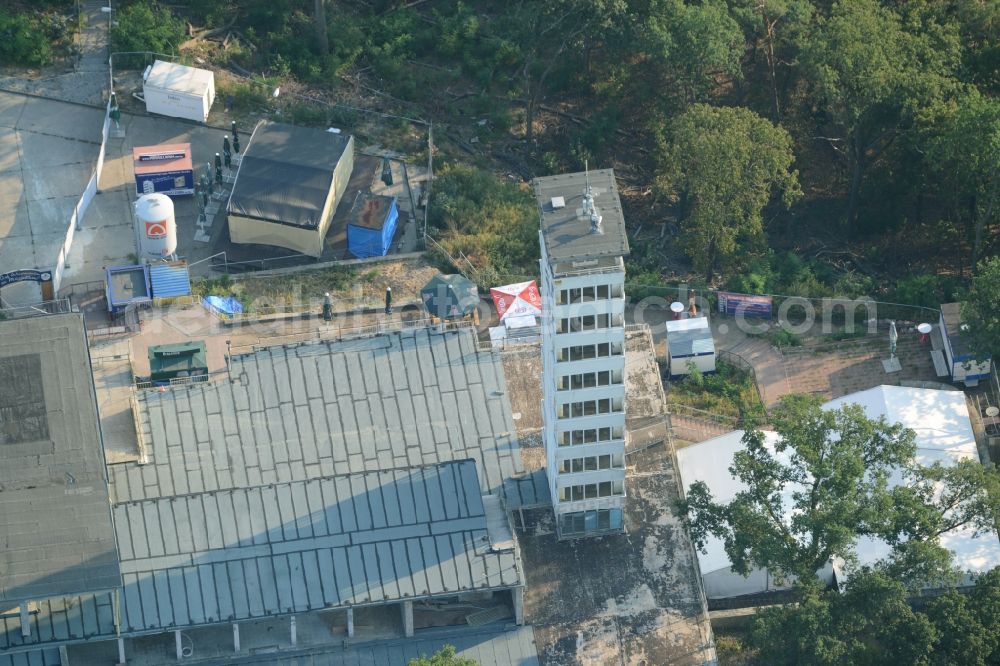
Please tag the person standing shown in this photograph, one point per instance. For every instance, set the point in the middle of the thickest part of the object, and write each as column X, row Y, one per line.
column 327, row 307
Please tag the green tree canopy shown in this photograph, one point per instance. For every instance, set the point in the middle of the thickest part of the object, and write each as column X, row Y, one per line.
column 981, row 310
column 962, row 149
column 874, row 621
column 724, row 165
column 444, row 657
column 871, row 622
column 824, row 482
column 692, row 42
column 870, row 71
column 140, row 27
column 491, row 222
column 807, row 500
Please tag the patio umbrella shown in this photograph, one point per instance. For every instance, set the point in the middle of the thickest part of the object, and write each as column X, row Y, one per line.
column 893, row 337
column 450, row 296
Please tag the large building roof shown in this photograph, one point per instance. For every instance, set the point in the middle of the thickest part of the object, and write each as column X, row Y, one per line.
column 242, row 553
column 286, row 174
column 940, row 420
column 333, row 455
column 318, row 409
column 566, row 230
column 55, row 522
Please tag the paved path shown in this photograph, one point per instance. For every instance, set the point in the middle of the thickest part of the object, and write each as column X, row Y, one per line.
column 767, row 362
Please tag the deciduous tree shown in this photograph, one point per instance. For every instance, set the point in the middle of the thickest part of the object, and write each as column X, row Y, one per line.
column 724, row 165
column 981, row 310
column 444, row 657
column 870, row 72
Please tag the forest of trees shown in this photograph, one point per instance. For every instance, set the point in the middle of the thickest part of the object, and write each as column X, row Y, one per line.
column 858, row 140
column 855, row 144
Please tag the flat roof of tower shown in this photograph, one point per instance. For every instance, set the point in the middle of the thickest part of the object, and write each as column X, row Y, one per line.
column 565, row 228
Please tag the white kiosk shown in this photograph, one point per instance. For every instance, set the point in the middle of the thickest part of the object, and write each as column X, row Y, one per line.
column 690, row 341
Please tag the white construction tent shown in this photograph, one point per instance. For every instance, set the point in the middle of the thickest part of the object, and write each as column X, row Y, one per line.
column 944, row 434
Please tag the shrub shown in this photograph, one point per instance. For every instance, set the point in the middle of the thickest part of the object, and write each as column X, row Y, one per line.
column 140, row 27
column 23, row 40
column 929, row 291
column 307, row 114
column 493, row 222
column 781, row 337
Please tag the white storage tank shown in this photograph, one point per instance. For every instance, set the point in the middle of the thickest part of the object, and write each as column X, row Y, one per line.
column 156, row 227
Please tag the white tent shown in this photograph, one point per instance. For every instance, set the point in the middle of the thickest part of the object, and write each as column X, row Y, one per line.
column 944, row 434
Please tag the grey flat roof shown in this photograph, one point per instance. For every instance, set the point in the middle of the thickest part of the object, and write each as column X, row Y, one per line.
column 229, row 496
column 317, row 409
column 60, row 619
column 46, row 657
column 55, row 521
column 375, row 537
column 690, row 341
column 566, row 230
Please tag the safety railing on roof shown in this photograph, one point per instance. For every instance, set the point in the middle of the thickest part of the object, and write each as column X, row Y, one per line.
column 333, row 332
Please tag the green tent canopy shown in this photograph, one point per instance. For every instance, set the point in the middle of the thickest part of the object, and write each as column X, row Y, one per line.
column 450, row 296
column 186, row 359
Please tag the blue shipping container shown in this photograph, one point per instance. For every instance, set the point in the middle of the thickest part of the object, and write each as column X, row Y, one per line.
column 372, row 225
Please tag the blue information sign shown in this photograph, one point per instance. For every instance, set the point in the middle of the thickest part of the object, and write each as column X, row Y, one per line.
column 24, row 276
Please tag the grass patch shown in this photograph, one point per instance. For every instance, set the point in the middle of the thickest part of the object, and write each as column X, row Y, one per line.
column 732, row 649
column 350, row 286
column 488, row 220
column 729, row 391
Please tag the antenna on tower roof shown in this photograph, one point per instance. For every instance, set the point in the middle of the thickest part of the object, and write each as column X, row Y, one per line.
column 589, row 207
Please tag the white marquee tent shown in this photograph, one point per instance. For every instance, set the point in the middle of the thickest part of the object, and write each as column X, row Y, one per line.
column 944, row 434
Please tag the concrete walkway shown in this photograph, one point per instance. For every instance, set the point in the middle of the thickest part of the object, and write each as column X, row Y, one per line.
column 768, row 363
column 87, row 81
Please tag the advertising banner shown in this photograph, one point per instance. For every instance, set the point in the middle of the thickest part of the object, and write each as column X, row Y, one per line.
column 745, row 305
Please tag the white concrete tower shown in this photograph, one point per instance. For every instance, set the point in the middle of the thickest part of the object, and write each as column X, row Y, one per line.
column 583, row 243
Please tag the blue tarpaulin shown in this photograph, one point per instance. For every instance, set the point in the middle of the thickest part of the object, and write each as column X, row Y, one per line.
column 371, row 225
column 224, row 306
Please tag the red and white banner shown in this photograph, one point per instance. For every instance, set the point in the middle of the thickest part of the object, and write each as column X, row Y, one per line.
column 517, row 300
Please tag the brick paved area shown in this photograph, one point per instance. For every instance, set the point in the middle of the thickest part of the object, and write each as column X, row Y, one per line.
column 852, row 367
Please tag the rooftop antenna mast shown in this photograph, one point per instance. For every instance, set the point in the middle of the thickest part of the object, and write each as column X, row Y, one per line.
column 589, row 207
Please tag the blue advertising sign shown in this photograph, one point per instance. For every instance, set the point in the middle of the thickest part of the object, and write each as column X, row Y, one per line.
column 744, row 304
column 165, row 182
column 24, row 276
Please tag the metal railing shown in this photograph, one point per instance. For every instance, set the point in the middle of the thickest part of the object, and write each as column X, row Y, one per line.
column 57, row 306
column 176, row 381
column 332, row 332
